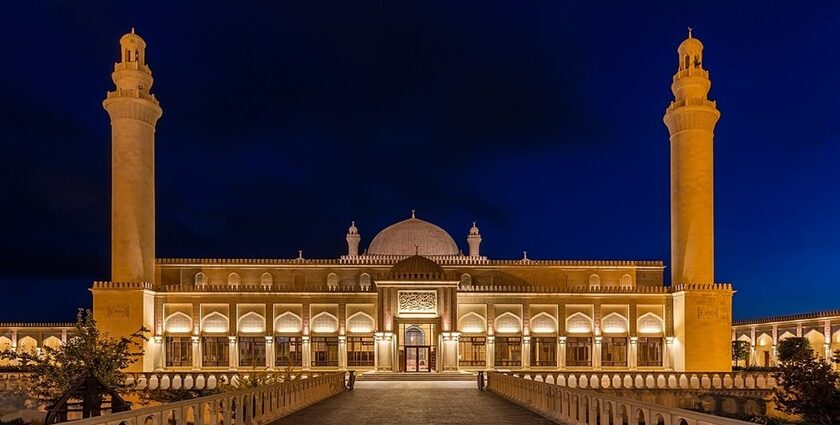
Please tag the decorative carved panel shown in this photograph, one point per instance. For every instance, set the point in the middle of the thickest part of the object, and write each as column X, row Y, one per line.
column 424, row 302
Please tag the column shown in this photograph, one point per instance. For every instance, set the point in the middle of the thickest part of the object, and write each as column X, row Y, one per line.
column 827, row 339
column 269, row 352
column 596, row 353
column 307, row 353
column 306, row 361
column 233, row 353
column 490, row 355
column 633, row 353
column 342, row 338
column 491, row 339
column 753, row 351
column 669, row 344
column 526, row 352
column 158, row 347
column 774, row 359
column 196, row 352
column 561, row 353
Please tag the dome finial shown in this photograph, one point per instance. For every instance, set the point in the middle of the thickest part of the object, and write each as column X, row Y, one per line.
column 416, row 249
column 412, row 213
column 132, row 30
column 689, row 32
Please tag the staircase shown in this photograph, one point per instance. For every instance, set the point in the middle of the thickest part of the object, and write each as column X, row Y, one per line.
column 416, row 376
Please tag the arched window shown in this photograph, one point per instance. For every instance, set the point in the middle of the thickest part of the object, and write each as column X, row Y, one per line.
column 251, row 322
column 234, row 279
column 360, row 322
column 650, row 323
column 543, row 323
column 594, row 281
column 685, row 62
column 178, row 323
column 579, row 323
column 324, row 322
column 364, row 282
column 415, row 336
column 626, row 281
column 267, row 279
column 200, row 279
column 288, row 322
column 332, row 281
column 614, row 323
column 472, row 322
column 508, row 323
column 214, row 323
column 466, row 280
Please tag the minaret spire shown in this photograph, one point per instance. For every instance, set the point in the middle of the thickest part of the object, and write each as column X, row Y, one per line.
column 691, row 120
column 134, row 112
column 353, row 239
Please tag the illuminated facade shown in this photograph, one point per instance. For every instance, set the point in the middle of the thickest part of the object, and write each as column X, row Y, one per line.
column 822, row 329
column 412, row 301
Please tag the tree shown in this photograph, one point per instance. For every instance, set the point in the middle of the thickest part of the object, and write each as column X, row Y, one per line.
column 86, row 352
column 740, row 351
column 806, row 385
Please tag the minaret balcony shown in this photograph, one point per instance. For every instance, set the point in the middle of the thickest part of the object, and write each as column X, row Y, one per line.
column 691, row 72
column 692, row 102
column 132, row 93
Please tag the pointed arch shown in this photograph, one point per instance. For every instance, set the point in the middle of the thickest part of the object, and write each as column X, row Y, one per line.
column 200, row 279
column 251, row 322
column 764, row 339
column 472, row 322
column 288, row 322
column 594, row 281
column 52, row 341
column 466, row 280
column 579, row 323
column 508, row 322
column 626, row 281
column 324, row 322
column 215, row 322
column 785, row 335
column 27, row 344
column 360, row 322
column 614, row 323
column 364, row 282
column 650, row 323
column 267, row 279
column 234, row 279
column 332, row 281
column 543, row 323
column 178, row 323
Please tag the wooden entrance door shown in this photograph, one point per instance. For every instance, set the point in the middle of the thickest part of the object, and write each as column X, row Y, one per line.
column 417, row 358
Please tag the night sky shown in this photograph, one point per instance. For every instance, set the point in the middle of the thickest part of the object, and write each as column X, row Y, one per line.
column 539, row 120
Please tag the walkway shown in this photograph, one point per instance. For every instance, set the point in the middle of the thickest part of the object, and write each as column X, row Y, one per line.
column 409, row 403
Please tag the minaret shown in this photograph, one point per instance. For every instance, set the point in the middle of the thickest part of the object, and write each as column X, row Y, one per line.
column 353, row 239
column 474, row 240
column 691, row 120
column 134, row 111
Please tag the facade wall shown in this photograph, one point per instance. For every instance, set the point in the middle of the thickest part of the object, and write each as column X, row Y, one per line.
column 764, row 334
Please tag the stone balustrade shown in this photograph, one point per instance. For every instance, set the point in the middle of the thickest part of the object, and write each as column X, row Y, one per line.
column 159, row 380
column 577, row 406
column 248, row 406
column 639, row 380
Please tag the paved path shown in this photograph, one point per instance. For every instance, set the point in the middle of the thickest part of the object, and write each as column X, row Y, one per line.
column 408, row 403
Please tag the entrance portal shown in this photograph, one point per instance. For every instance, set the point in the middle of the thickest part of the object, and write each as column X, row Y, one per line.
column 417, row 349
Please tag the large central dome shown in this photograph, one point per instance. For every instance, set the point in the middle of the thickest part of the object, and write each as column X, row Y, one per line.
column 411, row 237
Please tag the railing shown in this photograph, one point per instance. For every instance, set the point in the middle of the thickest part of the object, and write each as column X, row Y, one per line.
column 567, row 405
column 249, row 406
column 655, row 380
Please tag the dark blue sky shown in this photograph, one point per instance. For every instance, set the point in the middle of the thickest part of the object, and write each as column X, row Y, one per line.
column 541, row 121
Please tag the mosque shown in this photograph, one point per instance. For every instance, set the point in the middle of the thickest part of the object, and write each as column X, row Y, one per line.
column 410, row 301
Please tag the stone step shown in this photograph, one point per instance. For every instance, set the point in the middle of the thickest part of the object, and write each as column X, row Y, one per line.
column 419, row 376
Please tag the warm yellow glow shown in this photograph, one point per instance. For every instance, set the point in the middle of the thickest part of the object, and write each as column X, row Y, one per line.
column 508, row 323
column 214, row 323
column 178, row 323
column 472, row 323
column 251, row 323
column 288, row 322
column 543, row 323
column 324, row 323
column 360, row 323
column 579, row 323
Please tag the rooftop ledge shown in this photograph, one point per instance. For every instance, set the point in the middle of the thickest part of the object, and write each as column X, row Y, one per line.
column 453, row 260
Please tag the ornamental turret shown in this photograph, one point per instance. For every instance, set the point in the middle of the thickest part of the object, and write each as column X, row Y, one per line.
column 353, row 239
column 474, row 240
column 134, row 112
column 691, row 119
